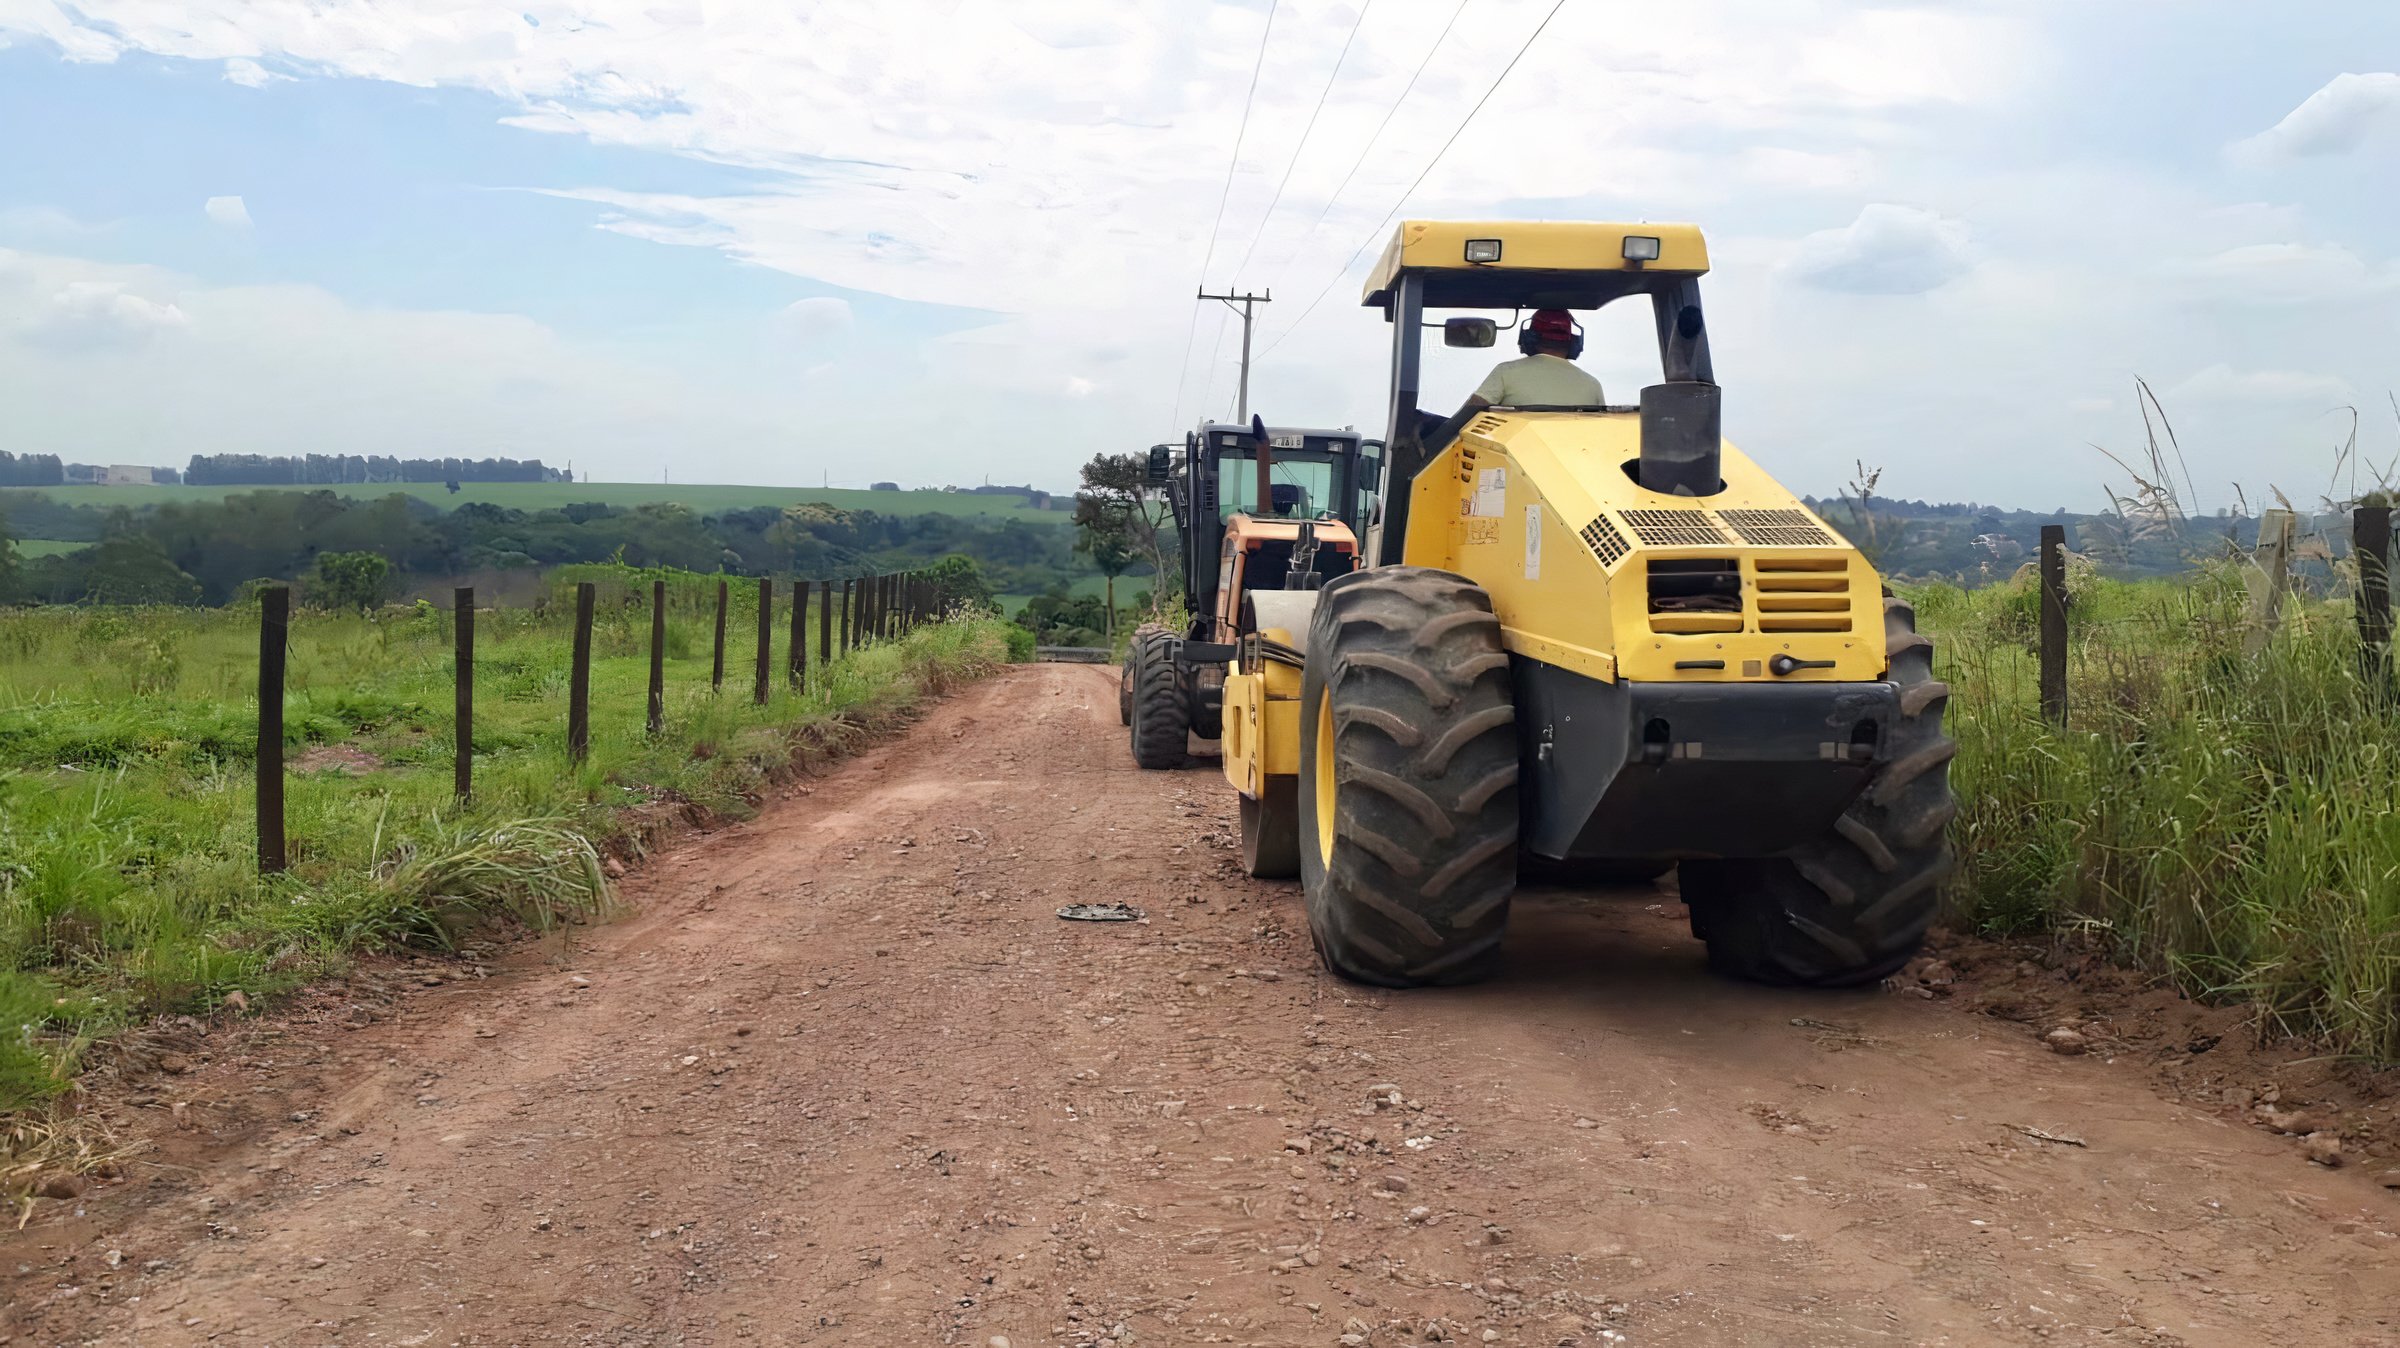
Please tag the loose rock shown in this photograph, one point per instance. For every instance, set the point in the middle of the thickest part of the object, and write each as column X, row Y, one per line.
column 2065, row 1041
column 2324, row 1148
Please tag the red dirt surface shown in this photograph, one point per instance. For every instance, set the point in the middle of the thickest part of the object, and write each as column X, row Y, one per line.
column 842, row 1077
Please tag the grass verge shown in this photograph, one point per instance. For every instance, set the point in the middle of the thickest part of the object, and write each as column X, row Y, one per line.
column 2226, row 820
column 128, row 885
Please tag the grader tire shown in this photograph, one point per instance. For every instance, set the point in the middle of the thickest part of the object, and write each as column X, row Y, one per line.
column 1853, row 906
column 1408, row 779
column 1271, row 831
column 1160, row 722
column 1125, row 692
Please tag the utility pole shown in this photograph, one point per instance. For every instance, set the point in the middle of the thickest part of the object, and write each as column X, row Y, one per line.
column 1246, row 301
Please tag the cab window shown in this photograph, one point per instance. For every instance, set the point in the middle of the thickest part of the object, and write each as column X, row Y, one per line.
column 1302, row 486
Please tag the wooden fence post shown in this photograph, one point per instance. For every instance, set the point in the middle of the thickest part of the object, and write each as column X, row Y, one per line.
column 579, row 677
column 798, row 659
column 825, row 622
column 2054, row 624
column 766, row 637
column 2269, row 578
column 846, row 622
column 2370, row 547
column 462, row 763
column 658, row 656
column 274, row 636
column 716, row 672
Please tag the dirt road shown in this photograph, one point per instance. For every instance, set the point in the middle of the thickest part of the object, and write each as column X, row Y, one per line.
column 844, row 1078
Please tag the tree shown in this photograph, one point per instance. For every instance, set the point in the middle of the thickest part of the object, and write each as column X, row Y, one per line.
column 958, row 581
column 1117, row 502
column 345, row 579
column 1108, row 552
column 8, row 563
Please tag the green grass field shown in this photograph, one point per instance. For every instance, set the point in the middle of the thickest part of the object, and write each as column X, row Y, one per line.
column 551, row 495
column 30, row 548
column 128, row 884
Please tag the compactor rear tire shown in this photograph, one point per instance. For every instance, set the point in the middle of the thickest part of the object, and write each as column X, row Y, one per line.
column 1271, row 831
column 1161, row 724
column 1853, row 906
column 1125, row 692
column 1408, row 779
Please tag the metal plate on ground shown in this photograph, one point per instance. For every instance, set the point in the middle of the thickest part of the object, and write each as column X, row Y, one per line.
column 1101, row 912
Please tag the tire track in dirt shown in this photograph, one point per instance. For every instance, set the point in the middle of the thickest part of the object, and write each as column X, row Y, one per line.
column 844, row 1078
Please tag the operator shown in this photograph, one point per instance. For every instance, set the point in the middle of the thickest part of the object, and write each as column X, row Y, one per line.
column 1546, row 376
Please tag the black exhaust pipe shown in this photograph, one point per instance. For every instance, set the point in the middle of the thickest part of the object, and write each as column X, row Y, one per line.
column 1683, row 437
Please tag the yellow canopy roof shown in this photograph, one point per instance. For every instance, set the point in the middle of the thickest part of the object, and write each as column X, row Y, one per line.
column 1542, row 263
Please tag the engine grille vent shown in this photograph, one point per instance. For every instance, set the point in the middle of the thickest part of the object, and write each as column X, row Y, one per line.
column 1775, row 528
column 1675, row 528
column 1605, row 541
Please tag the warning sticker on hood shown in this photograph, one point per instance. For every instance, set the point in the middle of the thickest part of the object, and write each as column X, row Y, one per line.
column 1491, row 493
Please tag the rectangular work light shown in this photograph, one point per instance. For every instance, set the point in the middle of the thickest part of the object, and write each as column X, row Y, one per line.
column 1483, row 250
column 1640, row 248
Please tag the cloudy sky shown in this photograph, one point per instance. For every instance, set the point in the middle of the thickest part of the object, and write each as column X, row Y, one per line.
column 840, row 241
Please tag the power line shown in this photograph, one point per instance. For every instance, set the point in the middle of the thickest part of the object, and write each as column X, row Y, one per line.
column 1377, row 232
column 1233, row 163
column 1388, row 114
column 1322, row 94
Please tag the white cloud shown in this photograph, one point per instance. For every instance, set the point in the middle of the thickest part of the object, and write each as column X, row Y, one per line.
column 95, row 316
column 2220, row 383
column 228, row 211
column 1888, row 250
column 813, row 320
column 2336, row 119
column 2286, row 274
column 242, row 70
column 1057, row 164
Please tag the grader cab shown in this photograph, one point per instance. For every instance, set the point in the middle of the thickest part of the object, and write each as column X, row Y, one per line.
column 1263, row 514
column 1587, row 638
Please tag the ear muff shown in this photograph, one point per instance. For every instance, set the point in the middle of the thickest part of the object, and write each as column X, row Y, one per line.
column 1527, row 339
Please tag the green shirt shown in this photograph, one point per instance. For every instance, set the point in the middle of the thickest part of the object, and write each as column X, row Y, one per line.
column 1539, row 381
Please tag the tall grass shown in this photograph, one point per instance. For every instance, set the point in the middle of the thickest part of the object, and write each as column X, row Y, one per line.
column 2225, row 821
column 128, row 884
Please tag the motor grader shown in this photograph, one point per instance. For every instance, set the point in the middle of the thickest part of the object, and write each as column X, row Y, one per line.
column 1263, row 515
column 1587, row 638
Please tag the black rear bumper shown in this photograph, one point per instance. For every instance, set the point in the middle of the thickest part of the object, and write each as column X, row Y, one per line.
column 1689, row 769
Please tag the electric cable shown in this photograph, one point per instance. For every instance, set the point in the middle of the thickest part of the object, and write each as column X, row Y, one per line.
column 1377, row 232
column 1297, row 150
column 1388, row 114
column 1232, row 163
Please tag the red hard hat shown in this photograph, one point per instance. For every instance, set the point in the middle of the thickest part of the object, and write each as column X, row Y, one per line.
column 1554, row 325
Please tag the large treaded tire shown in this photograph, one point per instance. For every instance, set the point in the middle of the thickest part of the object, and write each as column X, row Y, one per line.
column 1407, row 721
column 1271, row 831
column 1853, row 906
column 1125, row 692
column 1161, row 724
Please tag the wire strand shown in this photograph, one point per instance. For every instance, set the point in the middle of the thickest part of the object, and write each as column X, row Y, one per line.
column 1377, row 232
column 1322, row 95
column 1388, row 114
column 1209, row 255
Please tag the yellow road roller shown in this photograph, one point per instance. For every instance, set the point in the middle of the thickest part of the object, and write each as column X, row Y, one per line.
column 1586, row 638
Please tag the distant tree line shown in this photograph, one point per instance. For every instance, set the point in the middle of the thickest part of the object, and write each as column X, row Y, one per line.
column 205, row 551
column 333, row 470
column 31, row 470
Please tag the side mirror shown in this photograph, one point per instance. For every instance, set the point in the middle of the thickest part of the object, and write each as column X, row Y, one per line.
column 1161, row 466
column 1469, row 332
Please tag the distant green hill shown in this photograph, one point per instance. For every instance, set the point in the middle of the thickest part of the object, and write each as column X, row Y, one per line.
column 552, row 495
